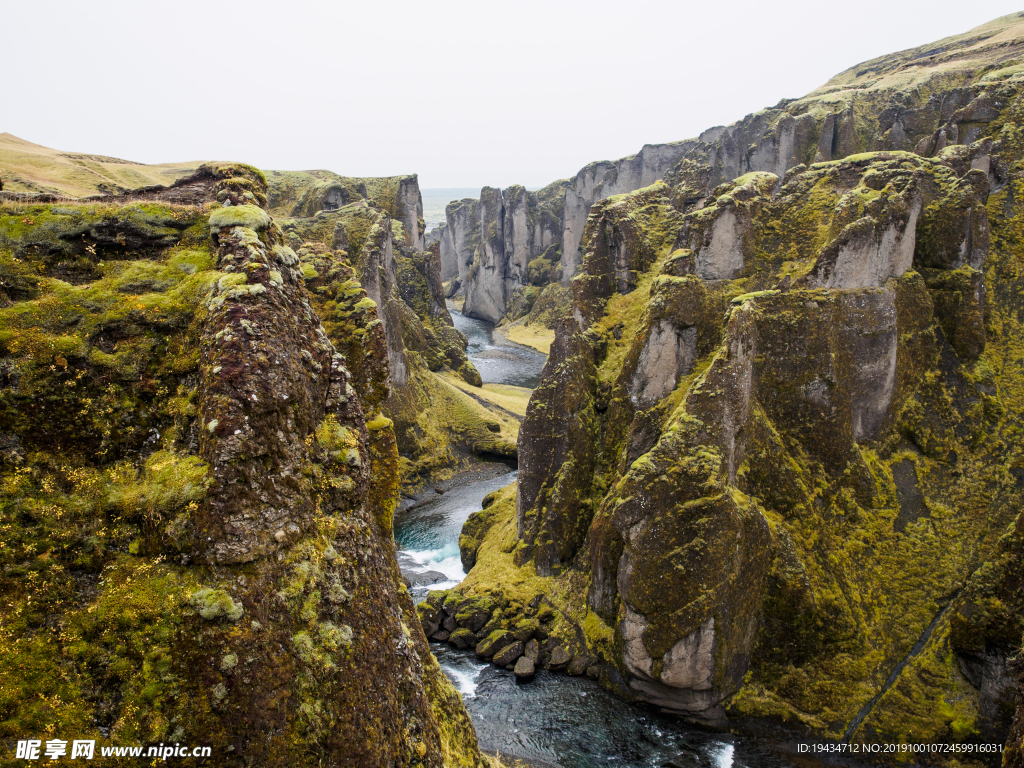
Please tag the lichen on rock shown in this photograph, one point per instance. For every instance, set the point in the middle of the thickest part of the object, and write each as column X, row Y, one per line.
column 186, row 493
column 766, row 466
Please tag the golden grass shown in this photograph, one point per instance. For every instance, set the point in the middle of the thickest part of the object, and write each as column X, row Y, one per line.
column 514, row 399
column 28, row 167
column 494, row 408
column 536, row 336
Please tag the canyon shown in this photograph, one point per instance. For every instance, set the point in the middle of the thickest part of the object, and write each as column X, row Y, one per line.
column 769, row 479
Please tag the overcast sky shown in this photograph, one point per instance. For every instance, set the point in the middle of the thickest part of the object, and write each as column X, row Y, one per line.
column 463, row 93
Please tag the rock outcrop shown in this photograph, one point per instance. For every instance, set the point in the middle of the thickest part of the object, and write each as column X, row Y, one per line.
column 198, row 492
column 921, row 100
column 438, row 426
column 304, row 194
column 503, row 248
column 770, row 472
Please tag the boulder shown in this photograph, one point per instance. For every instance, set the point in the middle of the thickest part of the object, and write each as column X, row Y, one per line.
column 425, row 578
column 525, row 629
column 441, row 636
column 560, row 658
column 532, row 651
column 525, row 668
column 497, row 640
column 430, row 618
column 462, row 638
column 580, row 664
column 473, row 613
column 508, row 654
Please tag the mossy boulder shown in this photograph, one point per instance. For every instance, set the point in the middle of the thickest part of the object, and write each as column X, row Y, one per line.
column 525, row 668
column 463, row 638
column 508, row 654
column 494, row 642
column 249, row 216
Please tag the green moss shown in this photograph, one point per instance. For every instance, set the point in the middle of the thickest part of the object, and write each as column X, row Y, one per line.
column 213, row 604
column 378, row 423
column 239, row 216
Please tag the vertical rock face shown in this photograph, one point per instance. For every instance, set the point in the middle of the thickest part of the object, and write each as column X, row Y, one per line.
column 380, row 279
column 552, row 515
column 516, row 248
column 485, row 280
column 601, row 180
column 891, row 103
column 449, row 265
column 747, row 388
column 462, row 237
column 518, row 233
column 211, row 524
column 409, row 210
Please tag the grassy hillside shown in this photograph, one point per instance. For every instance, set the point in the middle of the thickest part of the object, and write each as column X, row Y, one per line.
column 28, row 167
column 995, row 47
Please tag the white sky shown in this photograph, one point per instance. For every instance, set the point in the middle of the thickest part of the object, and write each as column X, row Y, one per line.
column 463, row 93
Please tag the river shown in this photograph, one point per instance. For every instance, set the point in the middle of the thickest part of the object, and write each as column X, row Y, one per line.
column 554, row 719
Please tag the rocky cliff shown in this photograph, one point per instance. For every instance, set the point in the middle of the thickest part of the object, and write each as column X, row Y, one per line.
column 198, row 486
column 441, row 427
column 502, row 248
column 303, row 194
column 770, row 476
column 905, row 101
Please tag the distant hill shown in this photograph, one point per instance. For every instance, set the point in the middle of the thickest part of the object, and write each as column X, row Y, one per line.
column 28, row 167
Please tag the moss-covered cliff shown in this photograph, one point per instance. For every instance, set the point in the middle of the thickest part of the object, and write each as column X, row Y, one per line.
column 196, row 491
column 771, row 476
column 441, row 427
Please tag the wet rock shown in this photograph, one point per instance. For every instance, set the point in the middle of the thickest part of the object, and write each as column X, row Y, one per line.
column 581, row 664
column 425, row 578
column 532, row 651
column 441, row 636
column 560, row 658
column 449, row 623
column 508, row 654
column 495, row 641
column 524, row 668
column 462, row 638
column 430, row 618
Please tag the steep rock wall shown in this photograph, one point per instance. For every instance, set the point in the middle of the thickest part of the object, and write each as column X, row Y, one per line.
column 203, row 528
column 799, row 421
column 598, row 181
column 514, row 252
column 440, row 429
column 304, row 194
column 920, row 100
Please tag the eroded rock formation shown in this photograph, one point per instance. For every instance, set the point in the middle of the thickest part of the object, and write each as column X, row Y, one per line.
column 198, row 491
column 921, row 100
column 503, row 248
column 770, row 472
column 439, row 427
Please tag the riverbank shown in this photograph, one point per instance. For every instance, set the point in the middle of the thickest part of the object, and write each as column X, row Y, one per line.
column 553, row 720
column 535, row 336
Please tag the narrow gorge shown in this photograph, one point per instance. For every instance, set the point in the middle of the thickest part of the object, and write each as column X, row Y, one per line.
column 687, row 460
